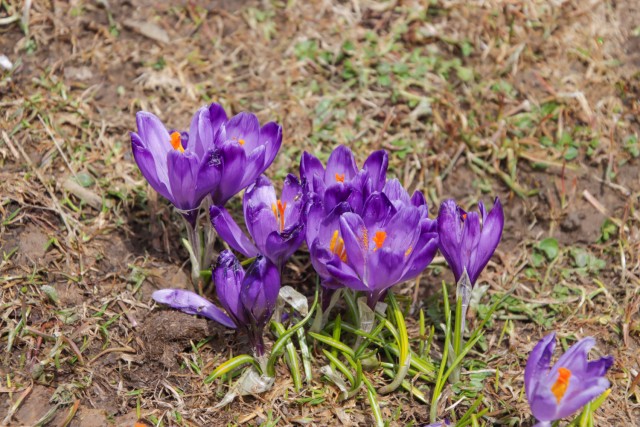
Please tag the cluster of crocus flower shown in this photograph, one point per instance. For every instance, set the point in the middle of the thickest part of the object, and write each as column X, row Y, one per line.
column 363, row 231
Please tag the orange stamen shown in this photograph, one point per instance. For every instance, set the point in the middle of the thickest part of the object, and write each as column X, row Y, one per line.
column 408, row 251
column 379, row 239
column 560, row 387
column 340, row 177
column 336, row 246
column 464, row 217
column 241, row 141
column 176, row 142
column 278, row 211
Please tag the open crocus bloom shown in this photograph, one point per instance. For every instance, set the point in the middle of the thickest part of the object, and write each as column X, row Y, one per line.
column 243, row 151
column 275, row 225
column 249, row 298
column 176, row 164
column 465, row 242
column 559, row 391
column 341, row 181
column 385, row 246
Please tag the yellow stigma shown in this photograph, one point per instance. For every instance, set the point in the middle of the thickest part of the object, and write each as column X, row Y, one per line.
column 379, row 239
column 176, row 142
column 559, row 388
column 408, row 251
column 340, row 177
column 337, row 246
column 241, row 141
column 278, row 211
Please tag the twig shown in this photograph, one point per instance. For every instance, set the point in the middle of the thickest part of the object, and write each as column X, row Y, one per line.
column 55, row 141
column 112, row 350
column 16, row 405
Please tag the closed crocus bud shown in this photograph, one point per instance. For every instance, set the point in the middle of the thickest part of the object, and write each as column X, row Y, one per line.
column 260, row 290
column 249, row 298
column 468, row 240
column 560, row 391
column 228, row 277
column 259, row 295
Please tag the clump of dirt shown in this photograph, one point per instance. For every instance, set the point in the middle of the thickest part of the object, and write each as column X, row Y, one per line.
column 166, row 333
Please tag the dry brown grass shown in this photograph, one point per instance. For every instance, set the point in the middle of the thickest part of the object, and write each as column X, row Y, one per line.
column 535, row 101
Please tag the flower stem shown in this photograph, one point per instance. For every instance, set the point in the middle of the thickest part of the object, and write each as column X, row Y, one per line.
column 403, row 345
column 257, row 341
column 463, row 296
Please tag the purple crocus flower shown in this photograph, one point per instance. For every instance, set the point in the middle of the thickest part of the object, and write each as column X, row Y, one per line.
column 465, row 242
column 249, row 298
column 384, row 246
column 559, row 391
column 243, row 151
column 341, row 181
column 176, row 164
column 275, row 225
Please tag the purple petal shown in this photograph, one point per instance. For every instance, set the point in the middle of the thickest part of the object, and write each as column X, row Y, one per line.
column 201, row 132
column 230, row 161
column 228, row 276
column 345, row 275
column 538, row 364
column 579, row 393
column 280, row 246
column 384, row 269
column 356, row 241
column 230, row 232
column 208, row 174
column 261, row 223
column 471, row 232
column 254, row 167
column 421, row 255
column 217, row 116
column 492, row 226
column 156, row 139
column 449, row 237
column 192, row 303
column 376, row 167
column 291, row 190
column 396, row 193
column 310, row 166
column 336, row 194
column 244, row 129
column 271, row 138
column 341, row 166
column 377, row 211
column 598, row 368
column 183, row 178
column 260, row 194
column 146, row 163
column 260, row 290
